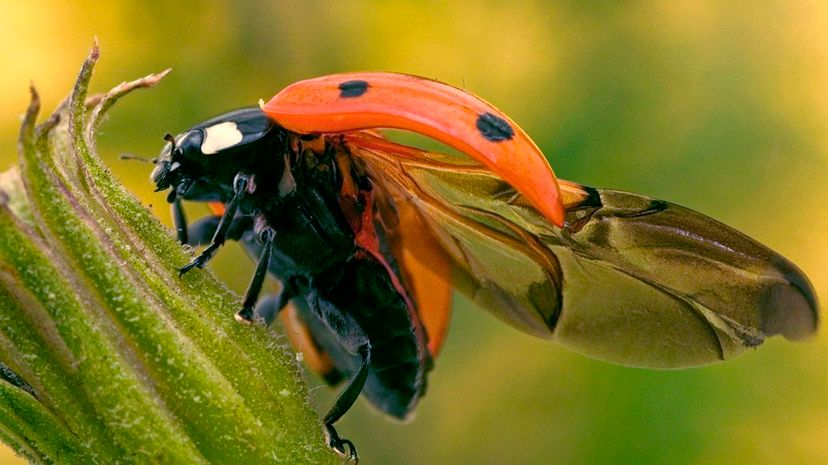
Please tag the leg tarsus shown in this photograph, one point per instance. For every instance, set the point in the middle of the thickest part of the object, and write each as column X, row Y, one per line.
column 240, row 184
column 201, row 259
column 344, row 402
column 338, row 445
column 201, row 230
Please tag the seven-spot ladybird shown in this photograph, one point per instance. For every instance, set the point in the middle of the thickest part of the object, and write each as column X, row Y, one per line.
column 368, row 237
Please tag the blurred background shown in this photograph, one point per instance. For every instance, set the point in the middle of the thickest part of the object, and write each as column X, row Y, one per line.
column 718, row 106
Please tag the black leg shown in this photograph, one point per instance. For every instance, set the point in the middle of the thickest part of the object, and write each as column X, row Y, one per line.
column 240, row 190
column 344, row 402
column 245, row 315
column 179, row 221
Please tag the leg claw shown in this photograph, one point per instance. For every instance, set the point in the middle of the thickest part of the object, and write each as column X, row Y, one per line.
column 184, row 269
column 339, row 445
column 245, row 316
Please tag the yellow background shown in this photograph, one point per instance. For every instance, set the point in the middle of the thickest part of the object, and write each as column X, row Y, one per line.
column 718, row 106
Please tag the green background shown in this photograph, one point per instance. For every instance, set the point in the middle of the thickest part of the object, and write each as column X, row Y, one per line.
column 718, row 106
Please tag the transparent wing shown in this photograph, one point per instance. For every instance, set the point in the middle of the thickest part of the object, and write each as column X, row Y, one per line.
column 630, row 279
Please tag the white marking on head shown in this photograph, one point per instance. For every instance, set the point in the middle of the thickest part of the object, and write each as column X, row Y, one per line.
column 219, row 137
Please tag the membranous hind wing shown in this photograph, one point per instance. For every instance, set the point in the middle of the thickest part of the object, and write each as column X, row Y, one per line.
column 714, row 291
column 630, row 279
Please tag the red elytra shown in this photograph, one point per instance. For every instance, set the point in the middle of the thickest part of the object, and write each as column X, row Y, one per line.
column 353, row 101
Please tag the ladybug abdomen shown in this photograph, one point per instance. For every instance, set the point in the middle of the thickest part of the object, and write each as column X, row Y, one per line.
column 364, row 292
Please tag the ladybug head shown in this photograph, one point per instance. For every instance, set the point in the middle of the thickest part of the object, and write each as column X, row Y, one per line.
column 163, row 173
column 178, row 166
column 201, row 163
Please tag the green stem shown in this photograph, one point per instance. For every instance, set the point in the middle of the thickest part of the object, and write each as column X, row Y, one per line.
column 127, row 362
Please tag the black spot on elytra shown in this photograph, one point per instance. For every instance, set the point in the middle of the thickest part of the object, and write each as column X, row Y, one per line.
column 352, row 88
column 494, row 128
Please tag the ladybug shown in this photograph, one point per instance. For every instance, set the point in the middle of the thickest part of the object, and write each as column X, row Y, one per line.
column 368, row 238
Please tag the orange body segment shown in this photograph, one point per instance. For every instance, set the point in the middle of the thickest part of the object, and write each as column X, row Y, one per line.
column 427, row 268
column 302, row 341
column 348, row 102
column 217, row 208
